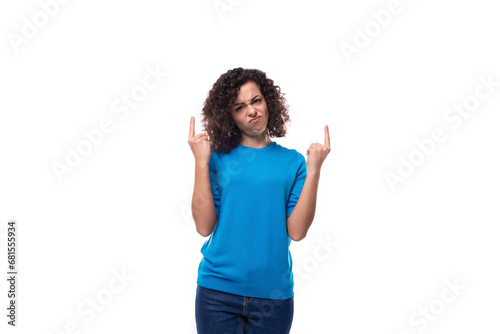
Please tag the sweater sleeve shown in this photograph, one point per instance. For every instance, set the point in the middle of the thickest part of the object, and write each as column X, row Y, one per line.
column 300, row 178
column 214, row 185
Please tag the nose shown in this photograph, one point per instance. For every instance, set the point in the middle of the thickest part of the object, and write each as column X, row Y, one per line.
column 251, row 111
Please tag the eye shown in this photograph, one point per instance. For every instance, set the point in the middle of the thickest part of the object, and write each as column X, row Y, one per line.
column 257, row 100
column 238, row 109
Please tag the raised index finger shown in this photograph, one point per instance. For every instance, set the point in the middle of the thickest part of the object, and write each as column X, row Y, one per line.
column 191, row 127
column 327, row 137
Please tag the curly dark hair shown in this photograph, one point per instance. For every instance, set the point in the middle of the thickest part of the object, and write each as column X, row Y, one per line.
column 223, row 133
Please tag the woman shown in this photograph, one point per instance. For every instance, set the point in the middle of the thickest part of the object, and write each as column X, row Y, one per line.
column 252, row 196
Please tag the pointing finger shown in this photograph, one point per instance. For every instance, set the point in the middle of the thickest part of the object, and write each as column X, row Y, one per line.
column 327, row 138
column 191, row 127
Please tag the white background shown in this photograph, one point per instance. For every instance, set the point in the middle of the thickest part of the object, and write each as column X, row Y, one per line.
column 126, row 205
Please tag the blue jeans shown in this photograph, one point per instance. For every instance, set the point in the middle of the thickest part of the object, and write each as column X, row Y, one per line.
column 219, row 312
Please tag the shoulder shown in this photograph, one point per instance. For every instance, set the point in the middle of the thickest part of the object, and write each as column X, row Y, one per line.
column 217, row 157
column 294, row 158
column 290, row 151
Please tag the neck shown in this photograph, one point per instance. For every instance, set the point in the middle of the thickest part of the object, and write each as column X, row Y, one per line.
column 256, row 142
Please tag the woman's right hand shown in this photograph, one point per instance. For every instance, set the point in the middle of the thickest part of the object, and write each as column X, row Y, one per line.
column 199, row 145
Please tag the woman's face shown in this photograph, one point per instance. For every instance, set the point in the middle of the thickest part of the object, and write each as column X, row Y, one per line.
column 249, row 104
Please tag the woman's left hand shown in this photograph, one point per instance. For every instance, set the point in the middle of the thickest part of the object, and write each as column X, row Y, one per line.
column 317, row 153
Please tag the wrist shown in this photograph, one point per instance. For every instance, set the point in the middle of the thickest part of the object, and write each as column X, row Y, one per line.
column 201, row 164
column 313, row 171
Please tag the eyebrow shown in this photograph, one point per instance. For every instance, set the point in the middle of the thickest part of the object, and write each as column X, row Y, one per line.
column 253, row 98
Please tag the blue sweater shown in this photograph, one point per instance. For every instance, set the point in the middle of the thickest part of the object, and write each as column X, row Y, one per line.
column 254, row 191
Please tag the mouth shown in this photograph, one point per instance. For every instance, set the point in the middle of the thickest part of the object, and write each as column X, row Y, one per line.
column 253, row 120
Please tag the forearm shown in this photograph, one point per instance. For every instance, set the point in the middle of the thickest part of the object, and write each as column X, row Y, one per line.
column 303, row 214
column 202, row 204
